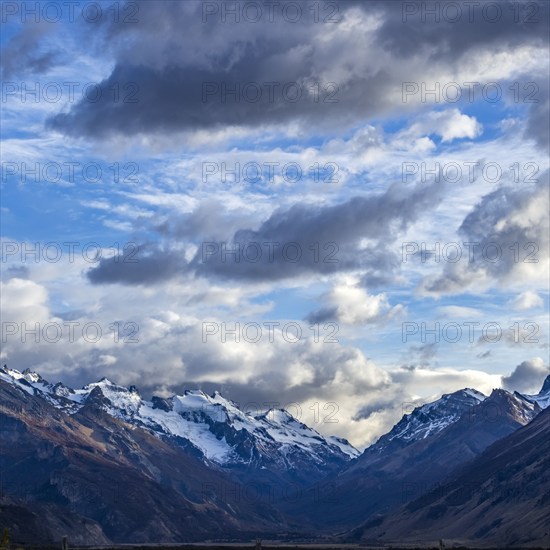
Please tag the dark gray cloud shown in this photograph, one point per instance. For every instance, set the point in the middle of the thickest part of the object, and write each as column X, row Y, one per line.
column 378, row 406
column 169, row 68
column 424, row 353
column 28, row 53
column 210, row 219
column 411, row 26
column 149, row 265
column 419, row 357
column 378, row 217
column 301, row 240
column 16, row 272
column 171, row 99
column 528, row 376
column 323, row 315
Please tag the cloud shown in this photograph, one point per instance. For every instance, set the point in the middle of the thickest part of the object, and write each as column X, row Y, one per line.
column 176, row 71
column 453, row 312
column 527, row 300
column 28, row 53
column 527, row 377
column 17, row 272
column 537, row 127
column 149, row 263
column 23, row 301
column 301, row 240
column 508, row 232
column 351, row 304
column 450, row 124
column 359, row 221
column 420, row 356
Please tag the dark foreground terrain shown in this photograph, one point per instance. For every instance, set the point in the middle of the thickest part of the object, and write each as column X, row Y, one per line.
column 481, row 481
column 240, row 546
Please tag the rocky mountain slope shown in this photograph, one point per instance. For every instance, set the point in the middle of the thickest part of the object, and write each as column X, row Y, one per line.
column 99, row 478
column 103, row 464
column 418, row 454
column 273, row 446
column 501, row 498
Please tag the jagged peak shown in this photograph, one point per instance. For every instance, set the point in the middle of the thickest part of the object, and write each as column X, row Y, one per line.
column 177, row 416
column 502, row 393
column 32, row 376
column 95, row 394
column 546, row 385
column 442, row 402
column 474, row 393
column 112, row 386
column 199, row 393
column 470, row 392
column 277, row 416
column 27, row 376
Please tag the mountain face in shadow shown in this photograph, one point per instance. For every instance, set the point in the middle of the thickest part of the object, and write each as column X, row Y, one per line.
column 502, row 498
column 418, row 454
column 101, row 464
column 98, row 479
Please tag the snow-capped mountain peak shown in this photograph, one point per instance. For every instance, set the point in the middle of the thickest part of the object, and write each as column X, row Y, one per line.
column 278, row 417
column 430, row 418
column 543, row 397
column 216, row 426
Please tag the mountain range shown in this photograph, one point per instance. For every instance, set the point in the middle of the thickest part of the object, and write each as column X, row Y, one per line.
column 101, row 464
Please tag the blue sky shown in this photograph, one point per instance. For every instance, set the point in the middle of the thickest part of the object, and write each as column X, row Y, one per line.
column 122, row 178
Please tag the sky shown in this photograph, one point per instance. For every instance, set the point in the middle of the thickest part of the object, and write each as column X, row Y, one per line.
column 339, row 208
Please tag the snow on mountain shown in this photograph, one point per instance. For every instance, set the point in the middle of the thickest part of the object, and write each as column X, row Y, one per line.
column 344, row 445
column 213, row 424
column 543, row 397
column 523, row 409
column 431, row 418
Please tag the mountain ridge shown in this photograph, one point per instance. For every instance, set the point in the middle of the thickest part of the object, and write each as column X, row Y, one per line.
column 209, row 457
column 215, row 426
column 501, row 498
column 396, row 470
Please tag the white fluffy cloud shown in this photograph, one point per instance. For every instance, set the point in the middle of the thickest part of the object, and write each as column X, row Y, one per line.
column 527, row 300
column 350, row 304
column 449, row 124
